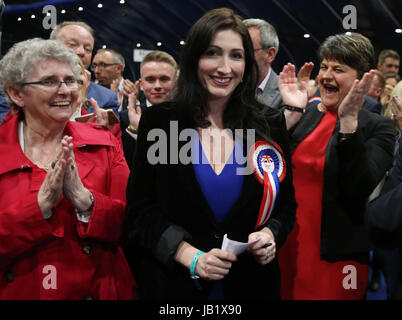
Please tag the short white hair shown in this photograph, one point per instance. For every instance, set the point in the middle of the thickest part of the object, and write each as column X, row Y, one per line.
column 22, row 59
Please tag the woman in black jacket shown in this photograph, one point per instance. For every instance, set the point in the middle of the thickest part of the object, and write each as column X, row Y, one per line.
column 180, row 206
column 339, row 153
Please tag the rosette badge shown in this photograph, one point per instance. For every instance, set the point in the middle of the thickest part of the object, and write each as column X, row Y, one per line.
column 269, row 168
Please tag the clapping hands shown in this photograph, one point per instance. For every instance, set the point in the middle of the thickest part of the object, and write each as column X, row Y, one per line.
column 62, row 177
column 291, row 94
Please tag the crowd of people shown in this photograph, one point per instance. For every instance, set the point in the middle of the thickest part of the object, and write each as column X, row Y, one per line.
column 123, row 189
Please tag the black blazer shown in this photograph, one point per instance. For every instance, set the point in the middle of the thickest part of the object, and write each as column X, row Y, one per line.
column 165, row 205
column 352, row 170
column 129, row 143
column 384, row 217
column 384, row 214
column 372, row 105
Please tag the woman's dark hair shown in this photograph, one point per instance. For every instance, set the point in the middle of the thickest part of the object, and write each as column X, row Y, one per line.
column 354, row 50
column 242, row 111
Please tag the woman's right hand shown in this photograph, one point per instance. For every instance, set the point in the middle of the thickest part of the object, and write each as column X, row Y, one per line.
column 52, row 187
column 214, row 264
column 291, row 94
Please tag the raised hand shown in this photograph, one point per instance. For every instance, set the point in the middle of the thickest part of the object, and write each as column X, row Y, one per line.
column 291, row 94
column 130, row 87
column 52, row 187
column 114, row 86
column 134, row 112
column 304, row 76
column 100, row 115
column 350, row 106
column 354, row 100
column 73, row 188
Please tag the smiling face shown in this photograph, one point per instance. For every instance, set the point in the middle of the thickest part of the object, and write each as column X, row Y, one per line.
column 157, row 80
column 44, row 105
column 335, row 80
column 221, row 67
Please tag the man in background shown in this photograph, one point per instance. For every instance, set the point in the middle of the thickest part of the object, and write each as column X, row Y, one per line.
column 158, row 75
column 266, row 45
column 80, row 38
column 388, row 61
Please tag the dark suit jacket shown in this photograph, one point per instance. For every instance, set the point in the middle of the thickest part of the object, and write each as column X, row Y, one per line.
column 384, row 216
column 372, row 105
column 352, row 170
column 271, row 95
column 165, row 205
column 129, row 143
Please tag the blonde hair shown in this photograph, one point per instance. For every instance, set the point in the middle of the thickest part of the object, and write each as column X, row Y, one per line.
column 159, row 56
column 397, row 91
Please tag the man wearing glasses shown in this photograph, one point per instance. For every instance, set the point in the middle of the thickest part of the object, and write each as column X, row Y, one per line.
column 108, row 66
column 266, row 45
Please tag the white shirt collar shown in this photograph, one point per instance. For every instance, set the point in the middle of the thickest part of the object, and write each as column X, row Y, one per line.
column 264, row 82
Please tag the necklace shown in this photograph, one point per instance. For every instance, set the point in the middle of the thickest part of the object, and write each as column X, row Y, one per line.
column 27, row 150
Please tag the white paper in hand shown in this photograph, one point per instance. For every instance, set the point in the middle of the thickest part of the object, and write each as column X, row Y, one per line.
column 235, row 247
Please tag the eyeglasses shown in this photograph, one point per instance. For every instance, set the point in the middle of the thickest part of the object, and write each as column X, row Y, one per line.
column 72, row 84
column 102, row 66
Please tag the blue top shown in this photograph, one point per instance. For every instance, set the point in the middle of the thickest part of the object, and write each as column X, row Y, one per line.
column 4, row 107
column 221, row 191
column 106, row 99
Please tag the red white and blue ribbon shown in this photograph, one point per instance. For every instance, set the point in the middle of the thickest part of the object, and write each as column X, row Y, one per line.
column 270, row 169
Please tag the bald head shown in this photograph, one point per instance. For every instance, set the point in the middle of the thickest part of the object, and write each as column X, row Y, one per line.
column 77, row 38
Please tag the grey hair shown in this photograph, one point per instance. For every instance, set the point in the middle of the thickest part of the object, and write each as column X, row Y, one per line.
column 269, row 37
column 21, row 60
column 117, row 57
column 54, row 35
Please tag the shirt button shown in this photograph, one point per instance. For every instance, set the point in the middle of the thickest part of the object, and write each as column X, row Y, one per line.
column 217, row 236
column 86, row 249
column 9, row 276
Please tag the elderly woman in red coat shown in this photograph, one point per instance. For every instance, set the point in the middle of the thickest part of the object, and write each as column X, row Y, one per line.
column 62, row 186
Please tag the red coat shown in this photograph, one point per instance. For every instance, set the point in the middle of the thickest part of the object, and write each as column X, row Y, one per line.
column 63, row 258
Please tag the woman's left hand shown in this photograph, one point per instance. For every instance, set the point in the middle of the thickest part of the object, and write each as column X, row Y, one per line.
column 264, row 250
column 73, row 188
column 353, row 102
